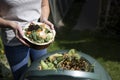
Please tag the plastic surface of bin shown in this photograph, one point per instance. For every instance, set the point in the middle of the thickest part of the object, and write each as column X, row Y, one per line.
column 33, row 73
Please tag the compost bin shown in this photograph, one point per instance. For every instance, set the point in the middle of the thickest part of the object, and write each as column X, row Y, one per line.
column 98, row 73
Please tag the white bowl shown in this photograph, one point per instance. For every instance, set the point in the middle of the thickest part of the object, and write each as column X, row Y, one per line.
column 36, row 44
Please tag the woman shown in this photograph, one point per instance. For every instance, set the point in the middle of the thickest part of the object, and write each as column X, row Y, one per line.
column 14, row 15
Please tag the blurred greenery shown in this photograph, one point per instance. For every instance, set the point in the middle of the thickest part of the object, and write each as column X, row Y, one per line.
column 1, row 47
column 5, row 72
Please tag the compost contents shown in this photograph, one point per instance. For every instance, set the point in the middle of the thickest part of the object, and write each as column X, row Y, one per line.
column 70, row 60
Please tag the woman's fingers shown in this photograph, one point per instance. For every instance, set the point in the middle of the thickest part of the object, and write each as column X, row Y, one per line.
column 50, row 24
column 19, row 35
column 21, row 40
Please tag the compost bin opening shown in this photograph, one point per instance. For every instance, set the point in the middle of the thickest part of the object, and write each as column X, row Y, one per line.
column 70, row 60
column 33, row 73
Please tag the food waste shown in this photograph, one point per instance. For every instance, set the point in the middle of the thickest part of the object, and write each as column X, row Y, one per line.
column 70, row 60
column 38, row 33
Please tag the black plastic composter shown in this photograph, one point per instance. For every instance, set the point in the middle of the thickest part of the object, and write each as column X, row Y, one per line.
column 33, row 73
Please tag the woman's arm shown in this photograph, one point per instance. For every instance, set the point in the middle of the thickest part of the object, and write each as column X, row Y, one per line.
column 4, row 23
column 45, row 11
column 17, row 29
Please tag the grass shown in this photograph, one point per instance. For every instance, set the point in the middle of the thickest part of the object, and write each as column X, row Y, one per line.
column 112, row 67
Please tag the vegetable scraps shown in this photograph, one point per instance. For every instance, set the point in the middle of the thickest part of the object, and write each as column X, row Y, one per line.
column 38, row 33
column 70, row 60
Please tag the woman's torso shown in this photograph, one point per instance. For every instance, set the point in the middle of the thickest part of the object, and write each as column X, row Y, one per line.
column 21, row 12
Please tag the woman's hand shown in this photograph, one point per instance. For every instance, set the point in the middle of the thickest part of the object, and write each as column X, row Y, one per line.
column 45, row 11
column 48, row 23
column 18, row 31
